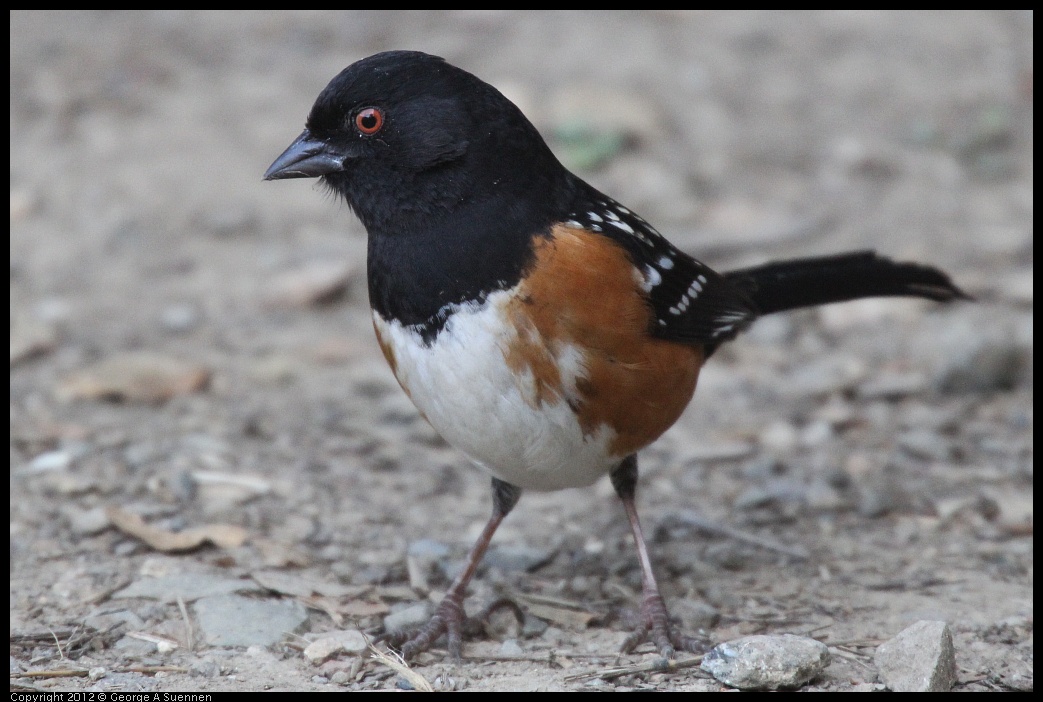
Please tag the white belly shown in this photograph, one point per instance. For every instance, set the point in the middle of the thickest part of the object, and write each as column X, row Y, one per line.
column 465, row 388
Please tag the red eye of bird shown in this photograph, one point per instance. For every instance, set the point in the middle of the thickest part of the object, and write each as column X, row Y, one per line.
column 369, row 121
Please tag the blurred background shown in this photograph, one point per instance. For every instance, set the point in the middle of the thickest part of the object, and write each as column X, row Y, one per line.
column 175, row 320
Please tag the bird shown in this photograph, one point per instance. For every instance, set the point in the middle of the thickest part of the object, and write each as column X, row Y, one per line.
column 545, row 330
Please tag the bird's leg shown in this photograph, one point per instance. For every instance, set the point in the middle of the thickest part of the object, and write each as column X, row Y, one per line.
column 449, row 617
column 655, row 625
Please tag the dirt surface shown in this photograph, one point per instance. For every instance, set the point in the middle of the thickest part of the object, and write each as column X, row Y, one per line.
column 192, row 345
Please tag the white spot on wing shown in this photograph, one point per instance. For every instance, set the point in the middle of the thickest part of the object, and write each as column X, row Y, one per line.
column 652, row 278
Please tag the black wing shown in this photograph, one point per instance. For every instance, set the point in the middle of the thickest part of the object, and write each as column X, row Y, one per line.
column 692, row 302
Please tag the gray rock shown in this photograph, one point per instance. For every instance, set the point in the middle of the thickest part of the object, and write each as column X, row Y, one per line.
column 880, row 495
column 86, row 522
column 720, row 452
column 229, row 221
column 776, row 329
column 428, row 549
column 779, row 437
column 179, row 318
column 533, row 627
column 205, row 668
column 767, row 662
column 131, row 647
column 51, row 460
column 423, row 558
column 348, row 641
column 294, row 585
column 921, row 658
column 893, row 386
column 828, row 375
column 695, row 614
column 124, row 682
column 233, row 620
column 925, row 444
column 510, row 647
column 107, row 620
column 189, row 586
column 1017, row 285
column 31, row 339
column 994, row 367
column 409, row 617
column 823, row 497
column 516, row 558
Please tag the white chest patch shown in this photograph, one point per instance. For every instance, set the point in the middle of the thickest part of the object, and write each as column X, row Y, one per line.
column 465, row 387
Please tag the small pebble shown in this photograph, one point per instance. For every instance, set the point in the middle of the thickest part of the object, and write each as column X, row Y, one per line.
column 349, row 641
column 767, row 662
column 510, row 647
column 893, row 386
column 408, row 617
column 995, row 367
column 179, row 318
column 921, row 658
column 51, row 460
column 926, row 445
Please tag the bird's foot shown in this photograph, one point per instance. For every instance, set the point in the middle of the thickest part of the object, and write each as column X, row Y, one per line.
column 656, row 627
column 449, row 620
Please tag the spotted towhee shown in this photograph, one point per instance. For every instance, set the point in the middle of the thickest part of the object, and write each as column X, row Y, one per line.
column 541, row 327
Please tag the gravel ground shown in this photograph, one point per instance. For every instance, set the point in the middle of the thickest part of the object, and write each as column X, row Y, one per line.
column 212, row 470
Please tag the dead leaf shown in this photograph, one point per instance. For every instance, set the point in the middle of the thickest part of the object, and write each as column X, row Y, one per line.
column 303, row 586
column 163, row 644
column 394, row 661
column 566, row 617
column 277, row 554
column 31, row 339
column 314, row 283
column 135, row 377
column 326, row 605
column 362, row 608
column 222, row 535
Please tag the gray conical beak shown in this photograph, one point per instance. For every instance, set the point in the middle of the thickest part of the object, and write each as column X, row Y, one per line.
column 306, row 157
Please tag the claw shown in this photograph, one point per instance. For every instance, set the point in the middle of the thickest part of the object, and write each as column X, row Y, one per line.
column 449, row 620
column 658, row 628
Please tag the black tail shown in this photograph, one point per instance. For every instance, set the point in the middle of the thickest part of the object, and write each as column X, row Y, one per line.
column 805, row 282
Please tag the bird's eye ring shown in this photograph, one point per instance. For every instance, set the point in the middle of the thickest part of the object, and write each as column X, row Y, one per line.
column 369, row 120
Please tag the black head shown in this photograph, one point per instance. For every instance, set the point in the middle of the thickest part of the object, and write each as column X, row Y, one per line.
column 407, row 138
